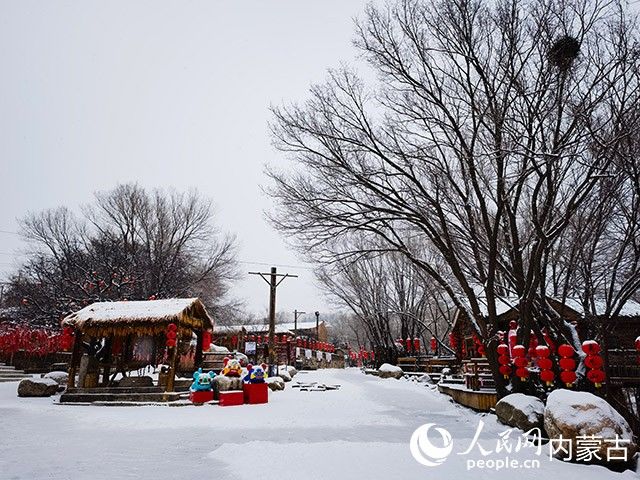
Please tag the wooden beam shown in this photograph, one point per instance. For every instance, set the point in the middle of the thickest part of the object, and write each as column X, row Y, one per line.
column 75, row 356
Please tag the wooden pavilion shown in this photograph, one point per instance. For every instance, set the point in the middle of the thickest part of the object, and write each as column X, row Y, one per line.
column 113, row 328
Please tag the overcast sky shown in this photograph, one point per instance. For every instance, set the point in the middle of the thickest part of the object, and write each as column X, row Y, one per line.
column 163, row 94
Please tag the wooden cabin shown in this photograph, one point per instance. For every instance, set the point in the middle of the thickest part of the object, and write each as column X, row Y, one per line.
column 114, row 338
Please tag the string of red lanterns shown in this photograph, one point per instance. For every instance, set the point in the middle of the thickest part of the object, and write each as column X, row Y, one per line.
column 567, row 364
column 593, row 362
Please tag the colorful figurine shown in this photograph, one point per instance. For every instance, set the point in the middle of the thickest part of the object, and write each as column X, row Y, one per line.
column 202, row 382
column 255, row 374
column 232, row 368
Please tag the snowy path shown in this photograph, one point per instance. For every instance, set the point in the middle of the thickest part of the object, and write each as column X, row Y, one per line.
column 359, row 431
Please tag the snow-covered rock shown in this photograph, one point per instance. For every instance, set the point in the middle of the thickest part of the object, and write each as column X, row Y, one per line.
column 387, row 370
column 275, row 383
column 292, row 370
column 426, row 378
column 222, row 383
column 59, row 377
column 37, row 387
column 522, row 411
column 283, row 373
column 575, row 414
column 241, row 357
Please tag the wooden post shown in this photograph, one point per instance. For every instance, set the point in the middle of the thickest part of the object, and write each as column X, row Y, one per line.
column 108, row 344
column 75, row 355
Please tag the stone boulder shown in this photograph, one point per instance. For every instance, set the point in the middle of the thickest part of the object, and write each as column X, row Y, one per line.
column 275, row 383
column 60, row 378
column 222, row 383
column 292, row 370
column 522, row 411
column 283, row 373
column 577, row 414
column 387, row 370
column 37, row 387
column 132, row 382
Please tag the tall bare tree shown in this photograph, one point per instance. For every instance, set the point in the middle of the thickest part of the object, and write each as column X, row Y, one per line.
column 131, row 244
column 491, row 126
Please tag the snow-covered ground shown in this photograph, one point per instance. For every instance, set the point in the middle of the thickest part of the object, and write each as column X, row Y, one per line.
column 360, row 431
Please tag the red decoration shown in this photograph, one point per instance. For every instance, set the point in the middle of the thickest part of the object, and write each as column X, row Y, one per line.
column 434, row 344
column 416, row 345
column 408, row 344
column 206, row 340
column 593, row 362
column 171, row 334
column 544, row 362
column 520, row 361
column 504, row 360
column 567, row 364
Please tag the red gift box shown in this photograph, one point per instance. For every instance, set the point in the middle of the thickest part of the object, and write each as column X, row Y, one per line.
column 232, row 397
column 201, row 396
column 255, row 393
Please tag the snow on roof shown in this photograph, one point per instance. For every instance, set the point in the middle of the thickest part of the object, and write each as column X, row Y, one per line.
column 102, row 314
column 260, row 328
column 630, row 309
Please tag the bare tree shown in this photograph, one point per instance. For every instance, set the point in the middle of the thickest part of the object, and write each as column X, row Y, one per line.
column 134, row 244
column 488, row 132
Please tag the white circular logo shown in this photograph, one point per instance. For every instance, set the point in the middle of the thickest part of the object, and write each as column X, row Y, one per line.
column 427, row 453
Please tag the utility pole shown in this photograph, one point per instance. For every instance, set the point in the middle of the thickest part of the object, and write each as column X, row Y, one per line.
column 273, row 283
column 295, row 321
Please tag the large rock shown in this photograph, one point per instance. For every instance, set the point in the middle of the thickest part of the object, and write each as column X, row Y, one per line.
column 222, row 383
column 37, row 387
column 133, row 382
column 292, row 370
column 387, row 370
column 60, row 378
column 522, row 411
column 577, row 414
column 275, row 383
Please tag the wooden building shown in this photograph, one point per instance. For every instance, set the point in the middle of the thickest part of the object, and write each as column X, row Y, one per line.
column 120, row 337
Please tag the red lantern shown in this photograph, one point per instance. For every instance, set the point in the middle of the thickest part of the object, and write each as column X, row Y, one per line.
column 172, row 330
column 408, row 344
column 547, row 376
column 543, row 351
column 590, row 347
column 259, row 338
column 593, row 362
column 434, row 344
column 416, row 345
column 503, row 360
column 545, row 363
column 565, row 350
column 522, row 373
column 171, row 335
column 503, row 349
column 638, row 344
column 298, row 342
column 567, row 364
column 568, row 377
column 518, row 351
column 171, row 342
column 505, row 370
column 520, row 362
column 597, row 377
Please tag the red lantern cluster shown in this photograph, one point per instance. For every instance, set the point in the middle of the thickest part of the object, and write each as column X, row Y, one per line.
column 453, row 341
column 66, row 341
column 206, row 340
column 38, row 342
column 567, row 364
column 544, row 362
column 172, row 334
column 638, row 348
column 520, row 361
column 504, row 360
column 593, row 362
column 408, row 344
column 479, row 346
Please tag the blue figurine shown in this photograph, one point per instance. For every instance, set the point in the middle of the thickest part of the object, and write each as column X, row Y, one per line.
column 255, row 374
column 202, row 382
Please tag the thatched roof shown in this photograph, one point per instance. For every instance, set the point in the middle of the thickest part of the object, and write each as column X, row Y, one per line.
column 147, row 317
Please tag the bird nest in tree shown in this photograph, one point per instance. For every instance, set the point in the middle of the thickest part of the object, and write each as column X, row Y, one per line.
column 564, row 51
